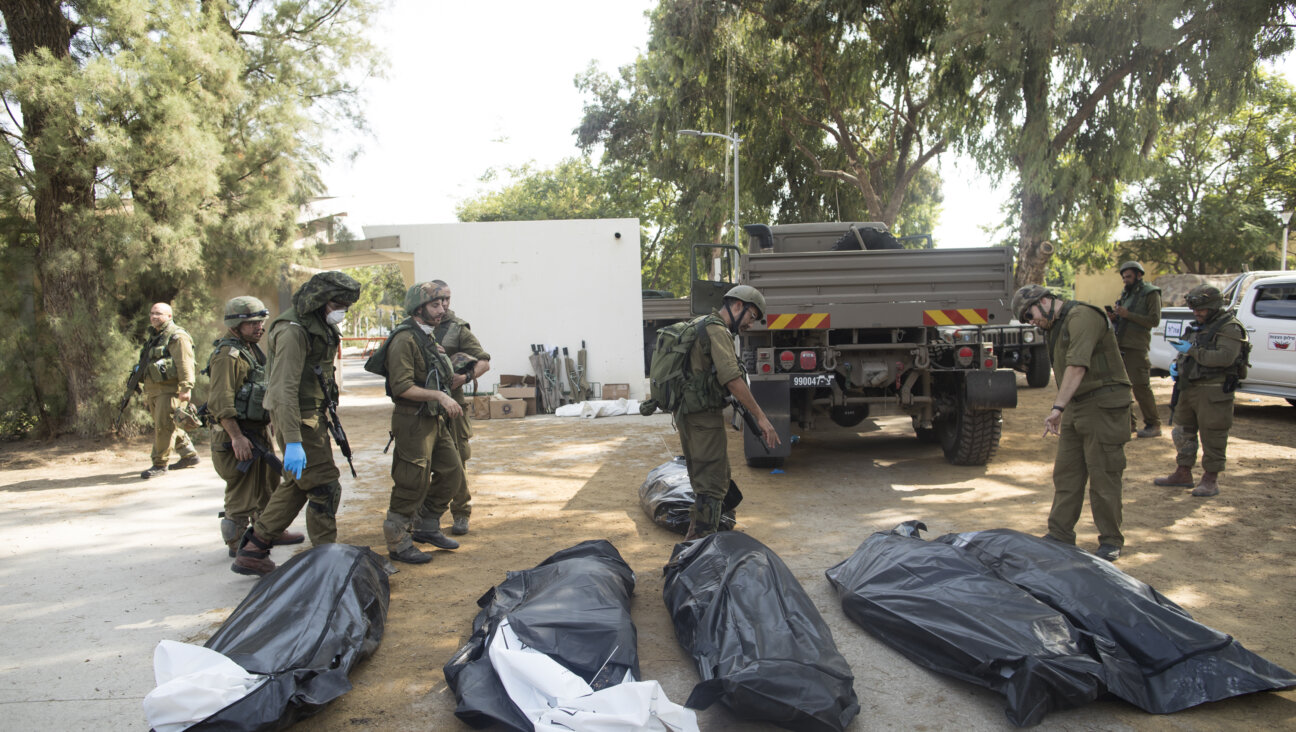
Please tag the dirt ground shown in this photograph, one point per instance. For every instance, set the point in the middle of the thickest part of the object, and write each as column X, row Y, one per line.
column 541, row 484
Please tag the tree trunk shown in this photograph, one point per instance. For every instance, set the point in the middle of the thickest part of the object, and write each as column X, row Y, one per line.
column 1035, row 158
column 63, row 194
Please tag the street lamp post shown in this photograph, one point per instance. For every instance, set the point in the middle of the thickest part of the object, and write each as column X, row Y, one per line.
column 733, row 141
column 1286, row 218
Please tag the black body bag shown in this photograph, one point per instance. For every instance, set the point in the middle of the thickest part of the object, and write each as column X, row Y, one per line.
column 573, row 607
column 759, row 644
column 945, row 611
column 305, row 625
column 666, row 495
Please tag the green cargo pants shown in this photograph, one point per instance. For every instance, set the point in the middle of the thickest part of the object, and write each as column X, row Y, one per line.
column 458, row 499
column 1091, row 450
column 1205, row 410
column 246, row 494
column 318, row 487
column 1139, row 370
column 706, row 455
column 165, row 432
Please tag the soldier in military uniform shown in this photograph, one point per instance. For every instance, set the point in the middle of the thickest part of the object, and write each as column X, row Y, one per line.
column 241, row 425
column 419, row 382
column 303, row 342
column 716, row 373
column 1136, row 313
column 465, row 351
column 168, row 382
column 1212, row 360
column 1090, row 415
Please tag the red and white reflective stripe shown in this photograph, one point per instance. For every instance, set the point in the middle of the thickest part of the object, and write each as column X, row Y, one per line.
column 967, row 316
column 801, row 321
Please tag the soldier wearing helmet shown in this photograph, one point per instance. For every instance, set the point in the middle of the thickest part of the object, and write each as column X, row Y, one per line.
column 1212, row 360
column 456, row 337
column 238, row 378
column 168, row 381
column 419, row 382
column 1135, row 314
column 1090, row 414
column 715, row 367
column 303, row 342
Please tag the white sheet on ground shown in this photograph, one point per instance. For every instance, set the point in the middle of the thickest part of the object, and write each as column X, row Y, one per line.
column 193, row 683
column 554, row 698
column 599, row 408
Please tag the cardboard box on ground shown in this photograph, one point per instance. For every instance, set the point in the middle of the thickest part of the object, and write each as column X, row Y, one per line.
column 616, row 391
column 515, row 398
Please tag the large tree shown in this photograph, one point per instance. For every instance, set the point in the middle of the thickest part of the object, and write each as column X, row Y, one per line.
column 154, row 147
column 1213, row 184
column 1073, row 93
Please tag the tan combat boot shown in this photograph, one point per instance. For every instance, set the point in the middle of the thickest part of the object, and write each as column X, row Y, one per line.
column 1180, row 478
column 1208, row 486
column 253, row 555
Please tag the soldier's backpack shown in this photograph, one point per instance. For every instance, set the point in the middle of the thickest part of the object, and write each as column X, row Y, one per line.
column 668, row 372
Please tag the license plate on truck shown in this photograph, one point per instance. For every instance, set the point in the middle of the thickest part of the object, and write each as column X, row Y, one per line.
column 812, row 380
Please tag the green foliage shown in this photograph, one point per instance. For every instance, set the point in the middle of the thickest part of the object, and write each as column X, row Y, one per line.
column 1206, row 203
column 154, row 149
column 382, row 297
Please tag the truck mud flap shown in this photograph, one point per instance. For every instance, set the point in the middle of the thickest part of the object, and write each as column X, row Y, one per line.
column 775, row 398
column 991, row 389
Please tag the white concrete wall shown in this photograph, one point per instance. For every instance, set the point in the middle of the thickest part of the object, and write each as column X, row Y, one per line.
column 550, row 282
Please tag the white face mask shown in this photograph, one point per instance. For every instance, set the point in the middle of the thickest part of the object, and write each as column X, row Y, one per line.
column 335, row 317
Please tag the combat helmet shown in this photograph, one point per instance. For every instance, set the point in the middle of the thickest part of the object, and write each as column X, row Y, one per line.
column 323, row 288
column 1025, row 297
column 422, row 293
column 1205, row 297
column 244, row 309
column 462, row 363
column 1132, row 265
column 749, row 295
column 187, row 417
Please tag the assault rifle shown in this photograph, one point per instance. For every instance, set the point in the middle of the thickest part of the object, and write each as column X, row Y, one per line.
column 749, row 418
column 259, row 452
column 331, row 421
column 133, row 384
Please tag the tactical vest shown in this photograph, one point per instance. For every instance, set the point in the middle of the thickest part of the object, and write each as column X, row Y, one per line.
column 1207, row 336
column 250, row 395
column 448, row 333
column 323, row 340
column 439, row 374
column 161, row 368
column 1105, row 362
column 1134, row 301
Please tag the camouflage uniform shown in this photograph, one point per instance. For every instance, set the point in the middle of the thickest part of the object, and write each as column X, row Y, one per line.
column 170, row 370
column 237, row 370
column 300, row 340
column 1205, row 403
column 456, row 336
column 1095, row 425
column 1134, row 334
column 713, row 363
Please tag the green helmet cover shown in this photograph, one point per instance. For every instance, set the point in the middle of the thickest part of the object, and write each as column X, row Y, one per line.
column 749, row 295
column 1132, row 265
column 1205, row 297
column 1025, row 297
column 424, row 292
column 244, row 309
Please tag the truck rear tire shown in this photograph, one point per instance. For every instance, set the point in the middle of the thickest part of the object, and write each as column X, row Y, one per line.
column 764, row 461
column 970, row 437
column 1039, row 369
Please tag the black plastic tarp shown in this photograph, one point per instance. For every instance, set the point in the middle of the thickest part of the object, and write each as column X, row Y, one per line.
column 666, row 495
column 1155, row 655
column 305, row 625
column 1047, row 624
column 945, row 611
column 573, row 607
column 759, row 644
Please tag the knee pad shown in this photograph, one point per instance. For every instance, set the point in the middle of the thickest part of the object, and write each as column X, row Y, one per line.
column 232, row 529
column 325, row 498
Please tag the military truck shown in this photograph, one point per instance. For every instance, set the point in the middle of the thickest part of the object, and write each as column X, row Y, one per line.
column 853, row 335
column 1019, row 347
column 660, row 309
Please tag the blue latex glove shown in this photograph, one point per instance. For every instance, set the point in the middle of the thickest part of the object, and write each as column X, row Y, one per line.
column 1181, row 346
column 294, row 459
column 1174, row 370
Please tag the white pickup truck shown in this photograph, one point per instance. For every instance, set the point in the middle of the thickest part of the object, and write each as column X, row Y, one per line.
column 1266, row 306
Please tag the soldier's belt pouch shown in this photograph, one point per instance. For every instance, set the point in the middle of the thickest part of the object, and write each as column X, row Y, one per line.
column 158, row 371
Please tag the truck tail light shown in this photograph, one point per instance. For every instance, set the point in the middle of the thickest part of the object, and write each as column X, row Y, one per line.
column 989, row 363
column 766, row 368
column 965, row 356
column 808, row 361
column 787, row 360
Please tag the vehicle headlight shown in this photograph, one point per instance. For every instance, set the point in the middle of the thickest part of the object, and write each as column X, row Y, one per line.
column 1028, row 336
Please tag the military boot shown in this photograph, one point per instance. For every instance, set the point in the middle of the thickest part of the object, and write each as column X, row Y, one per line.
column 1180, row 478
column 396, row 530
column 253, row 556
column 232, row 533
column 1208, row 486
column 1151, row 430
column 186, row 461
column 704, row 518
column 154, row 472
column 428, row 531
column 289, row 537
column 460, row 526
